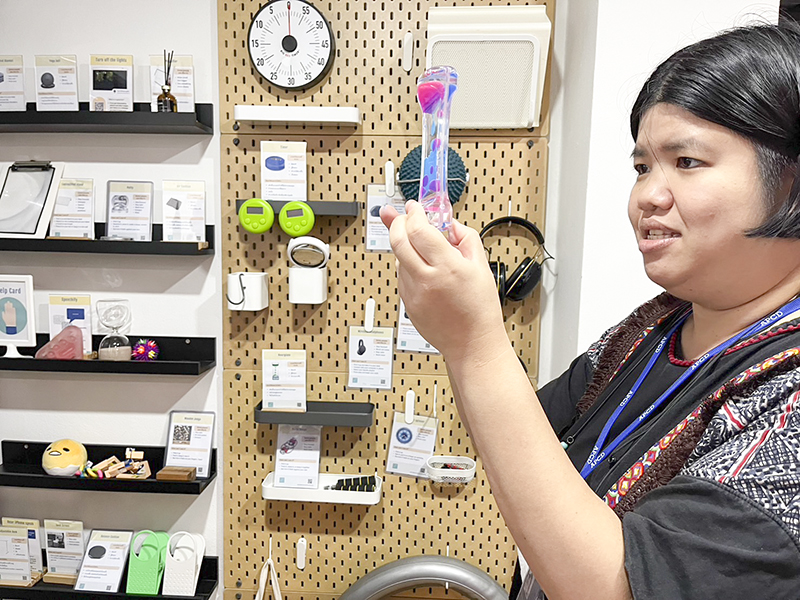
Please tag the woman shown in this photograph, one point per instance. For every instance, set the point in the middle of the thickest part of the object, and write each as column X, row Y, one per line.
column 665, row 463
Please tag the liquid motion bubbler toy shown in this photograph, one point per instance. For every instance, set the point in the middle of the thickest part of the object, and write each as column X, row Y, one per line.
column 435, row 89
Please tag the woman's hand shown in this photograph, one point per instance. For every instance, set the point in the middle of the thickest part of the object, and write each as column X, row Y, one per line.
column 448, row 289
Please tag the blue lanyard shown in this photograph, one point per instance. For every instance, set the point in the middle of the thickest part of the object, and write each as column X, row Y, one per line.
column 599, row 453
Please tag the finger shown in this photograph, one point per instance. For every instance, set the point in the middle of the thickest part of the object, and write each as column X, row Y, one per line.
column 388, row 214
column 403, row 250
column 467, row 240
column 430, row 244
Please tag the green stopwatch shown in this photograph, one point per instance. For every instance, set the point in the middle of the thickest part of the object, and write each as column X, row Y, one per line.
column 296, row 218
column 256, row 215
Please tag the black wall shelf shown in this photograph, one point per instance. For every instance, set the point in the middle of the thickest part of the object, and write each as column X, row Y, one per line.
column 177, row 356
column 22, row 467
column 141, row 120
column 327, row 208
column 338, row 414
column 98, row 246
column 206, row 586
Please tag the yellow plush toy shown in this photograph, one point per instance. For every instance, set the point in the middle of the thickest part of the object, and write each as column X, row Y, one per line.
column 64, row 458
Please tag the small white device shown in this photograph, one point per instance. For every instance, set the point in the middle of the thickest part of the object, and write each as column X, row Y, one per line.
column 247, row 290
column 308, row 273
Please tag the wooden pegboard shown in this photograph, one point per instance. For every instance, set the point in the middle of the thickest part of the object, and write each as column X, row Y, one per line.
column 366, row 71
column 505, row 168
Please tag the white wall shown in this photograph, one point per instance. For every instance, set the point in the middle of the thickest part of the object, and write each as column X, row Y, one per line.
column 603, row 53
column 172, row 296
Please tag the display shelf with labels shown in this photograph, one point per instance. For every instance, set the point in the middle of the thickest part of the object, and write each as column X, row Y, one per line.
column 141, row 120
column 98, row 246
column 324, row 208
column 177, row 356
column 270, row 492
column 22, row 467
column 337, row 414
column 206, row 586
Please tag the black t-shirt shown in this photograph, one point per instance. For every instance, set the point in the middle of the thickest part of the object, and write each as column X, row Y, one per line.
column 689, row 503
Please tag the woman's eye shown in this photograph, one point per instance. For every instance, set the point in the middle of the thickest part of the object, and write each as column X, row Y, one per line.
column 641, row 169
column 684, row 162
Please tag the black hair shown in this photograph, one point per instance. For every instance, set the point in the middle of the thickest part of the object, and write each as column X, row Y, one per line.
column 747, row 80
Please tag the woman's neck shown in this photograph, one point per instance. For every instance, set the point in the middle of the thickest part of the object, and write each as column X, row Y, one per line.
column 708, row 327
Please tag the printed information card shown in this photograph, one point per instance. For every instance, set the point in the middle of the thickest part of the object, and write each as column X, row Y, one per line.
column 66, row 310
column 283, row 171
column 191, row 435
column 130, row 210
column 283, row 377
column 34, row 541
column 297, row 456
column 370, row 358
column 63, row 547
column 73, row 215
column 184, row 210
column 12, row 84
column 56, row 83
column 377, row 234
column 411, row 445
column 15, row 561
column 104, row 562
column 112, row 83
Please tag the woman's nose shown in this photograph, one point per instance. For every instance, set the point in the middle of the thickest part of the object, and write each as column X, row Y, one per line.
column 653, row 193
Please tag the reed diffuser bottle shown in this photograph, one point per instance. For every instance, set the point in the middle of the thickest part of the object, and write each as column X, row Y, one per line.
column 166, row 101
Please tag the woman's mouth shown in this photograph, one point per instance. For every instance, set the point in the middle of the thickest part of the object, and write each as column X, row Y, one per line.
column 659, row 234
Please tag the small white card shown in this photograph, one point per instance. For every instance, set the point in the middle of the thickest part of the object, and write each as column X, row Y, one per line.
column 191, row 435
column 377, row 234
column 56, row 82
column 104, row 563
column 371, row 354
column 411, row 445
column 130, row 210
column 283, row 171
column 34, row 541
column 15, row 561
column 73, row 215
column 112, row 83
column 12, row 84
column 297, row 456
column 408, row 338
column 182, row 81
column 63, row 546
column 74, row 310
column 184, row 210
column 283, row 377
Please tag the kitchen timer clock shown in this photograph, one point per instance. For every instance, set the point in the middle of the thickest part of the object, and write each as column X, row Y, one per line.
column 291, row 44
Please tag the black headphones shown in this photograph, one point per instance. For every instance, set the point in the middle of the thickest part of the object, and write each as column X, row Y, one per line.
column 524, row 279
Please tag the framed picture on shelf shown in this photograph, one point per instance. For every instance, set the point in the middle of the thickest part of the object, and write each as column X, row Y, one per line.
column 17, row 325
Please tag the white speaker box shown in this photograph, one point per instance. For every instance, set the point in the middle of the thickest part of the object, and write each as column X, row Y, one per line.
column 500, row 55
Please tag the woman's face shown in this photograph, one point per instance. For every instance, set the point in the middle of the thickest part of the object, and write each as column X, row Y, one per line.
column 697, row 191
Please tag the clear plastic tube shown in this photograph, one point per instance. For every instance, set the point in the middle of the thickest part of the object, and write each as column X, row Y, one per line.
column 435, row 89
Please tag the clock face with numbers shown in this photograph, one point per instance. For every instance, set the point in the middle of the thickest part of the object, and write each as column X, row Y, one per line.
column 291, row 44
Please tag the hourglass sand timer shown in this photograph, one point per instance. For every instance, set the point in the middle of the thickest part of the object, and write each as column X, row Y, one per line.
column 114, row 314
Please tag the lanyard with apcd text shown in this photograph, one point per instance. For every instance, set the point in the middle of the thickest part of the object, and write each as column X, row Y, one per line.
column 599, row 453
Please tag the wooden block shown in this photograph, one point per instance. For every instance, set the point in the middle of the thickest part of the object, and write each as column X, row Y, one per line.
column 177, row 474
column 60, row 578
column 138, row 470
column 105, row 464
